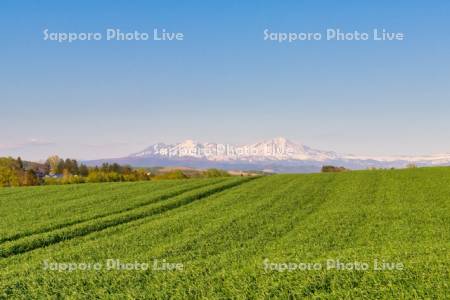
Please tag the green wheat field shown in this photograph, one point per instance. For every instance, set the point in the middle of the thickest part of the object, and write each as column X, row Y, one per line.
column 268, row 237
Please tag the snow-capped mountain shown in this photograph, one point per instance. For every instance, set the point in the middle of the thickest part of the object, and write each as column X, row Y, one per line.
column 277, row 149
column 278, row 154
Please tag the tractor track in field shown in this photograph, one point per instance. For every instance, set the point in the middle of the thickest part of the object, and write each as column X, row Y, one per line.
column 151, row 200
column 37, row 241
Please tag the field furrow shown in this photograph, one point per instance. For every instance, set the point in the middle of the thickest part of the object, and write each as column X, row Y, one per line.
column 226, row 241
column 155, row 206
column 91, row 206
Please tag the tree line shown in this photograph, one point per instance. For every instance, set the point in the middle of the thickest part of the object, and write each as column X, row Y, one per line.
column 55, row 170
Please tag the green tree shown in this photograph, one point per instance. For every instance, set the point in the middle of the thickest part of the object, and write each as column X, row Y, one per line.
column 54, row 163
column 333, row 169
column 71, row 165
column 9, row 172
column 29, row 178
column 20, row 162
column 83, row 170
column 60, row 167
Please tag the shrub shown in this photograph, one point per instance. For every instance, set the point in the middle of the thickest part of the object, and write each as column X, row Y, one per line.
column 99, row 176
column 215, row 173
column 176, row 174
column 328, row 169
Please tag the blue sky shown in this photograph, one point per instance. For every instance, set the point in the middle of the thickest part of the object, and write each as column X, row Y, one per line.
column 223, row 82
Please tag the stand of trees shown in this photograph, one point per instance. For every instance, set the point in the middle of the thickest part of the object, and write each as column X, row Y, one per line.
column 15, row 172
column 333, row 169
column 70, row 171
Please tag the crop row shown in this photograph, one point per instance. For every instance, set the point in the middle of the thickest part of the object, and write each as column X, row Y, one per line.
column 153, row 206
column 91, row 204
column 223, row 241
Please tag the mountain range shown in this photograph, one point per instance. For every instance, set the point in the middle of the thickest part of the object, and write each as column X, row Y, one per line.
column 275, row 155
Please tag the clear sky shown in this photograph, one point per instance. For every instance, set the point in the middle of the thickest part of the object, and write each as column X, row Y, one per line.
column 223, row 82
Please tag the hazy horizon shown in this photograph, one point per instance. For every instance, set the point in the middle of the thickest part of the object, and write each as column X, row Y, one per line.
column 38, row 144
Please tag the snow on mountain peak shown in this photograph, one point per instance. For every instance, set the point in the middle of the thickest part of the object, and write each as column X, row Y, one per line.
column 278, row 148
